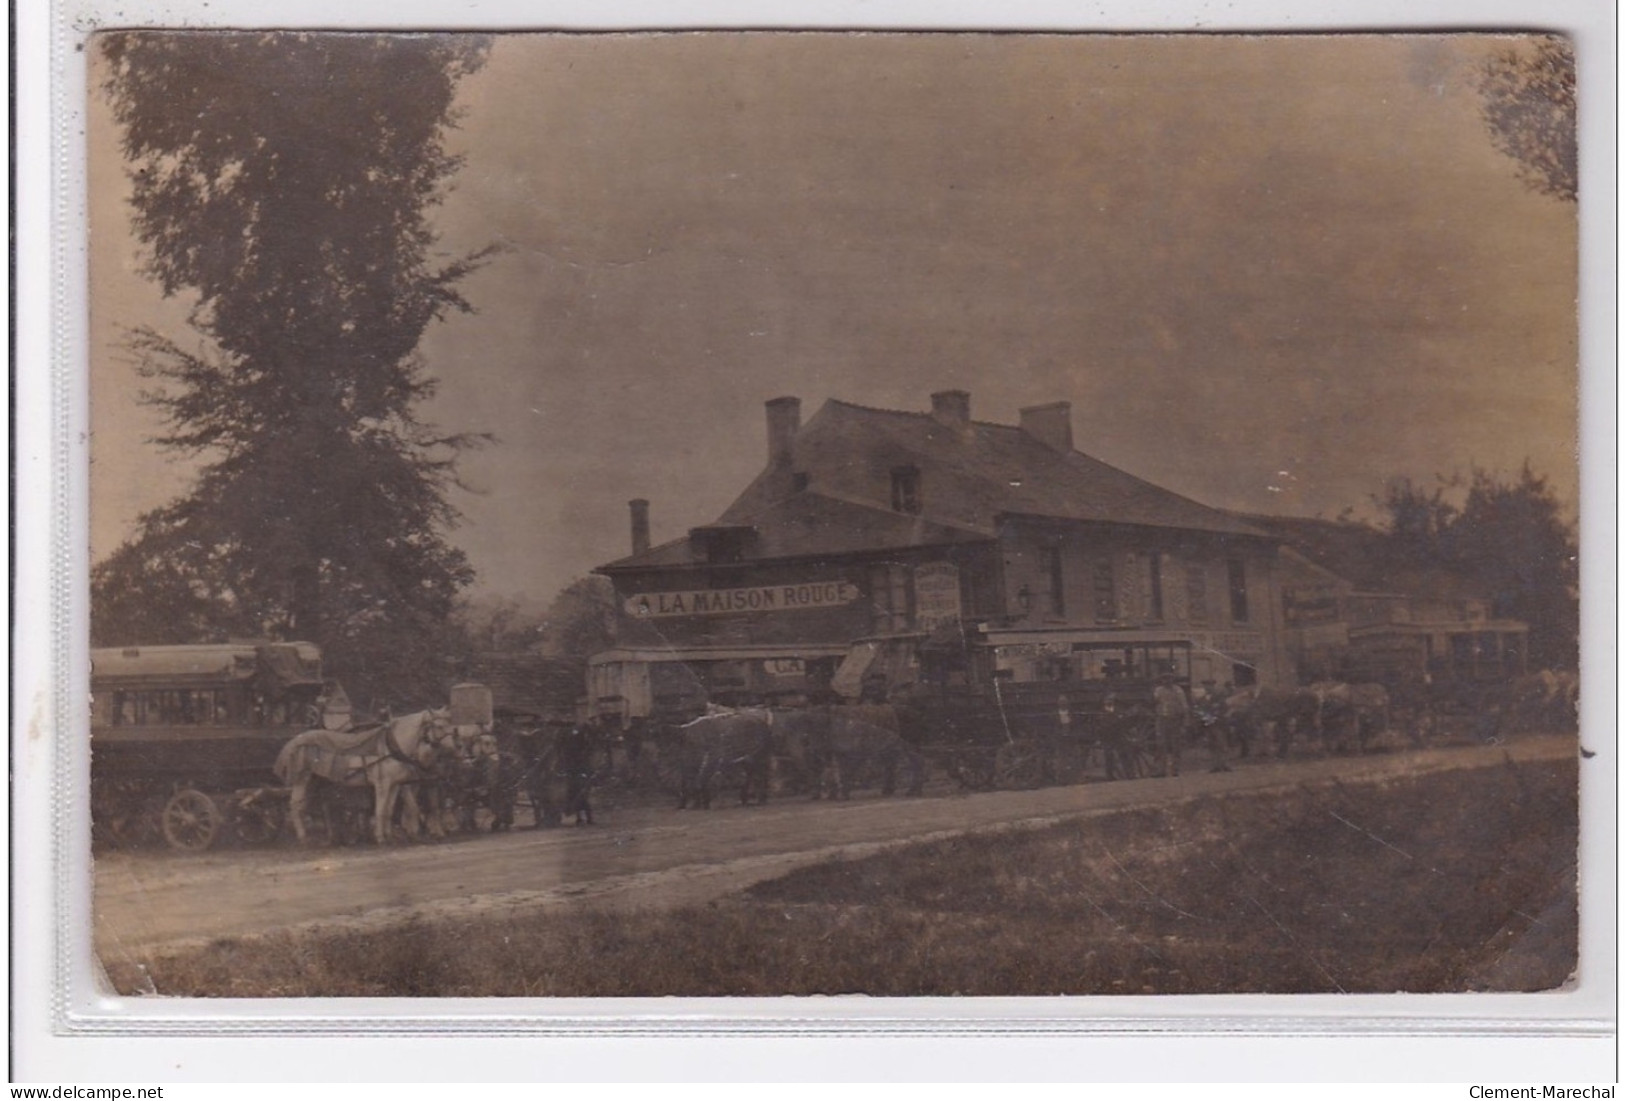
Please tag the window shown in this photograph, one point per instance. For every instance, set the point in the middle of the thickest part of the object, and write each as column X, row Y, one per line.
column 1196, row 593
column 1512, row 654
column 1238, row 590
column 888, row 585
column 1057, row 593
column 1154, row 562
column 1461, row 655
column 721, row 545
column 799, row 480
column 173, row 707
column 1105, row 588
column 905, row 489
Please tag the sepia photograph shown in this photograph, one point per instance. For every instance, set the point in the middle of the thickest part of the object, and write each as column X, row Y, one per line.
column 731, row 514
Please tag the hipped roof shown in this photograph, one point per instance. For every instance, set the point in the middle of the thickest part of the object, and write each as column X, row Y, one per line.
column 970, row 476
column 810, row 525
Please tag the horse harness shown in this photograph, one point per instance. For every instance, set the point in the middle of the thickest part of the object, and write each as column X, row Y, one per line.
column 392, row 751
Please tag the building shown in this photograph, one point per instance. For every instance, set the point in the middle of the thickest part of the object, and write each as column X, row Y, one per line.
column 868, row 524
column 1352, row 614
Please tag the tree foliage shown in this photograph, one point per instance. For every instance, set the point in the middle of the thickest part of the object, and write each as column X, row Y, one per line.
column 502, row 622
column 581, row 620
column 577, row 622
column 283, row 184
column 1528, row 105
column 1415, row 518
column 1508, row 539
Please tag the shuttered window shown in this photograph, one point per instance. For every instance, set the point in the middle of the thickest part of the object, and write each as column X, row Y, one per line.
column 905, row 490
column 1105, row 592
column 1057, row 591
column 1238, row 590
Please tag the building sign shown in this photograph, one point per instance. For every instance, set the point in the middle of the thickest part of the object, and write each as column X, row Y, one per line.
column 1309, row 604
column 936, row 595
column 765, row 598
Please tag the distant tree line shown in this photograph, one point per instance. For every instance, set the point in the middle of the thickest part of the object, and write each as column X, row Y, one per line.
column 1505, row 538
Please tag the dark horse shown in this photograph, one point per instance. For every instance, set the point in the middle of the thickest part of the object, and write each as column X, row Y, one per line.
column 713, row 747
column 833, row 745
column 551, row 764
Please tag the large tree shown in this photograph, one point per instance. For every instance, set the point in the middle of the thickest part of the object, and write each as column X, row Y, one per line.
column 1528, row 105
column 282, row 184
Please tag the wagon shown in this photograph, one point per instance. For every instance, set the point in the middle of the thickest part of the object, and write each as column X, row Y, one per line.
column 1057, row 710
column 183, row 739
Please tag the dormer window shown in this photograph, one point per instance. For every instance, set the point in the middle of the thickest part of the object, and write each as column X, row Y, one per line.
column 905, row 489
column 721, row 545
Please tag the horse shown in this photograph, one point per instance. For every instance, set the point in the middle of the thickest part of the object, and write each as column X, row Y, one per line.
column 834, row 744
column 723, row 742
column 1358, row 709
column 529, row 766
column 484, row 776
column 389, row 758
column 1257, row 710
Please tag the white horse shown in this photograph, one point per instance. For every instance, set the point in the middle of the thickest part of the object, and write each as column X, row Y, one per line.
column 391, row 759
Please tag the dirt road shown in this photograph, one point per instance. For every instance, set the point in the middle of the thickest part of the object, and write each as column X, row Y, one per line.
column 642, row 856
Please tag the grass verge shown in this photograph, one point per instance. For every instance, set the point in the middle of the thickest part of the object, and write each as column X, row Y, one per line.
column 1425, row 884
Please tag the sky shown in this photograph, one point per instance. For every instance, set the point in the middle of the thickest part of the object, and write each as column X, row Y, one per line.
column 1268, row 272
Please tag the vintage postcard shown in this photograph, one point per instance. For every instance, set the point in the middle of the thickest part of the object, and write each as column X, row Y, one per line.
column 724, row 514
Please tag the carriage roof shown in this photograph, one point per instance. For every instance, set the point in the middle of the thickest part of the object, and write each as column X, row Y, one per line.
column 287, row 663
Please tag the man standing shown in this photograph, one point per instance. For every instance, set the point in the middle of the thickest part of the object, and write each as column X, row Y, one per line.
column 1214, row 721
column 1173, row 714
column 575, row 761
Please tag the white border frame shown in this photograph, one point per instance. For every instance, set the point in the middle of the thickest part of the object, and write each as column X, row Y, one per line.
column 59, row 1019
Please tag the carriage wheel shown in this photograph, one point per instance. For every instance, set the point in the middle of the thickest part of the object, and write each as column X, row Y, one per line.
column 1018, row 766
column 974, row 768
column 1070, row 761
column 257, row 820
column 191, row 821
column 1127, row 762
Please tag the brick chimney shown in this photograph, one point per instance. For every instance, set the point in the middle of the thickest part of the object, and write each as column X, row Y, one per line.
column 640, row 525
column 783, row 422
column 951, row 408
column 1051, row 424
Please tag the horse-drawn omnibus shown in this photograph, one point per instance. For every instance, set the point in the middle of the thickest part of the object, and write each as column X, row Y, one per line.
column 183, row 738
column 1011, row 708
